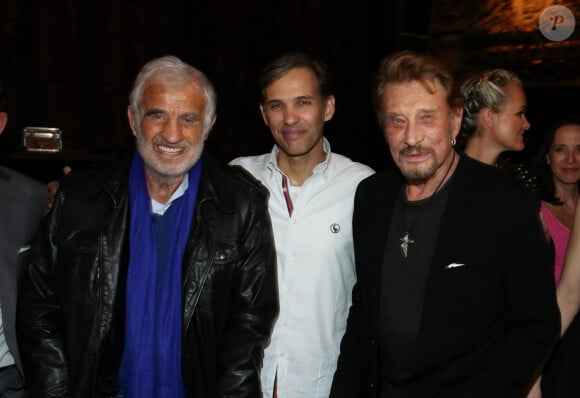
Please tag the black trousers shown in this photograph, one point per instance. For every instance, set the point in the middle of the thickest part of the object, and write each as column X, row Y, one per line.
column 11, row 383
column 561, row 374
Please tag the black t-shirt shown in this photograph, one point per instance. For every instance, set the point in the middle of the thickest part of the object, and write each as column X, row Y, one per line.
column 404, row 280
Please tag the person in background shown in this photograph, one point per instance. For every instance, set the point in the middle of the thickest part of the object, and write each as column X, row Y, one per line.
column 557, row 168
column 53, row 186
column 568, row 290
column 22, row 206
column 557, row 165
column 311, row 201
column 155, row 276
column 454, row 296
column 494, row 121
column 24, row 202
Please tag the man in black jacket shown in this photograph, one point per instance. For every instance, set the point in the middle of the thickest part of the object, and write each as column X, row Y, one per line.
column 455, row 294
column 154, row 277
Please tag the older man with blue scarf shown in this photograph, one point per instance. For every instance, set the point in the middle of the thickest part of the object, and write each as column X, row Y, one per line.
column 153, row 277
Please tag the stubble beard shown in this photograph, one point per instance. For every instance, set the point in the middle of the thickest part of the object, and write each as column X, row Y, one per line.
column 158, row 166
column 416, row 175
column 419, row 176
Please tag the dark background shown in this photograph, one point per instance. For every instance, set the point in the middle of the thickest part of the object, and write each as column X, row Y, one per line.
column 70, row 64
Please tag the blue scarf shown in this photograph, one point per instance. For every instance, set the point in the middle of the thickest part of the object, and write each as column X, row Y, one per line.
column 151, row 364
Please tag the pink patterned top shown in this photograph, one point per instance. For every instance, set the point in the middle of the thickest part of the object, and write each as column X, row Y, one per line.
column 560, row 235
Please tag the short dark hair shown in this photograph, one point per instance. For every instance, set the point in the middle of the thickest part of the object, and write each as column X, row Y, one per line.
column 540, row 166
column 406, row 67
column 293, row 60
column 3, row 99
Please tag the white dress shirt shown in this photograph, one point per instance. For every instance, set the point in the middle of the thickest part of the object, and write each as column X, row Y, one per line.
column 315, row 272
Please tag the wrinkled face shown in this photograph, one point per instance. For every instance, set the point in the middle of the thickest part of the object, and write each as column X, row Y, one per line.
column 295, row 112
column 170, row 132
column 564, row 155
column 510, row 124
column 418, row 127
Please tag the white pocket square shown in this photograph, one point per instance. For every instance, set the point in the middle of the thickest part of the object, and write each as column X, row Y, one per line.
column 24, row 249
column 454, row 265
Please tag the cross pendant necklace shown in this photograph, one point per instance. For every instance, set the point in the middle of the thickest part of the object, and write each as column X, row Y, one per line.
column 405, row 240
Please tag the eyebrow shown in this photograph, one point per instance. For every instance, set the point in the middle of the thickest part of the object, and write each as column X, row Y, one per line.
column 272, row 101
column 300, row 97
column 429, row 110
column 391, row 114
column 153, row 111
column 194, row 115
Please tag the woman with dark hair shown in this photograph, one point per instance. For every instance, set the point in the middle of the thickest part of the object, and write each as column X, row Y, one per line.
column 557, row 168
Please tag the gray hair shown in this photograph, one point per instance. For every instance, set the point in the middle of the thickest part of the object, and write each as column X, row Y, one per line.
column 173, row 71
column 485, row 90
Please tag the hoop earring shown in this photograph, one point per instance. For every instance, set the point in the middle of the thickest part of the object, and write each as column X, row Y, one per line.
column 453, row 142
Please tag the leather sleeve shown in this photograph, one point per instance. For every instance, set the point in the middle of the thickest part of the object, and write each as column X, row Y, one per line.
column 253, row 308
column 39, row 321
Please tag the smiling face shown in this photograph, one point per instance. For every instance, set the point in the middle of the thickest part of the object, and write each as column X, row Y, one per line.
column 564, row 155
column 170, row 132
column 510, row 123
column 295, row 112
column 418, row 127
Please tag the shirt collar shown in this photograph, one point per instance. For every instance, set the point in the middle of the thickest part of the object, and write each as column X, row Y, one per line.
column 321, row 168
column 161, row 208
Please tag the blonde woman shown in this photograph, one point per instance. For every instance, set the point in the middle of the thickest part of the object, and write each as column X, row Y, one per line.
column 494, row 121
column 494, row 115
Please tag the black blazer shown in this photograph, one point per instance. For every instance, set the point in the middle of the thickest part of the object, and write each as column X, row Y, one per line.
column 22, row 206
column 487, row 324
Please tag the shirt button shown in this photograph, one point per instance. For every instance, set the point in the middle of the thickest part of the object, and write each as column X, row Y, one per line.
column 289, row 290
column 282, row 355
column 294, row 221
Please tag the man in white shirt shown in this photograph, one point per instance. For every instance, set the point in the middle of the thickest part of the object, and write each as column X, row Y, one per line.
column 311, row 203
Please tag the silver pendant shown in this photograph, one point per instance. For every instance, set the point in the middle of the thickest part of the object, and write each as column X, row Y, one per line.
column 405, row 240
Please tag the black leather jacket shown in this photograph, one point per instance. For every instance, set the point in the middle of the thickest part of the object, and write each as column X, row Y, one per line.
column 71, row 304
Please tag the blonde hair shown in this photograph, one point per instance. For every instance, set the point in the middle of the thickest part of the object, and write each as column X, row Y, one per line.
column 484, row 90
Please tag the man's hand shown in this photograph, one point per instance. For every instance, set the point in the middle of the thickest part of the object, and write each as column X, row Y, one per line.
column 53, row 187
